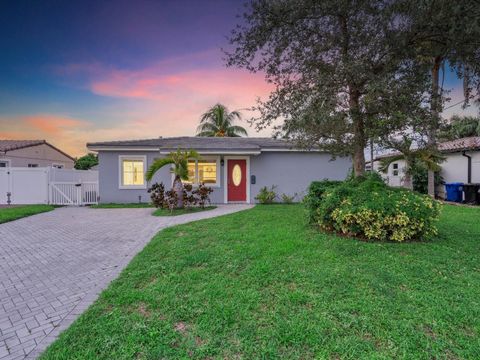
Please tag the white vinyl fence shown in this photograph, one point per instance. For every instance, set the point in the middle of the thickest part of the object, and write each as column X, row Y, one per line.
column 48, row 186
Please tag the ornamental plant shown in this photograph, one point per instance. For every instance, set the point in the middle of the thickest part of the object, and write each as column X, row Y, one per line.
column 367, row 208
column 266, row 195
column 157, row 195
column 179, row 162
column 189, row 199
column 191, row 196
column 202, row 194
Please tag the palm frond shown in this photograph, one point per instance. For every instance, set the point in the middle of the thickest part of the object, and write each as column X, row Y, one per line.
column 192, row 154
column 206, row 134
column 157, row 165
column 178, row 158
column 234, row 115
column 385, row 162
column 207, row 127
column 237, row 130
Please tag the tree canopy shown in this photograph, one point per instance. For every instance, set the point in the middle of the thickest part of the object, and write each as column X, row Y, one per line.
column 86, row 162
column 337, row 67
column 444, row 35
column 459, row 127
column 347, row 71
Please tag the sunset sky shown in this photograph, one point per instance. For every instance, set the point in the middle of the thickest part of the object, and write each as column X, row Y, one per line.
column 78, row 71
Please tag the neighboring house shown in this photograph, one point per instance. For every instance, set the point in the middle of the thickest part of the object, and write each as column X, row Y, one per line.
column 33, row 153
column 462, row 157
column 236, row 168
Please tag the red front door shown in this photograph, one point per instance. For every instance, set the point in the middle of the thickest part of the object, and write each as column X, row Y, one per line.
column 237, row 180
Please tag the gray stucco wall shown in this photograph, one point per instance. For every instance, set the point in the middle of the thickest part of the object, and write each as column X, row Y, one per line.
column 110, row 192
column 292, row 172
column 108, row 179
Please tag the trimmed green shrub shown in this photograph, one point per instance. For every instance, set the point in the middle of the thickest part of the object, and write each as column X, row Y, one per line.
column 314, row 197
column 367, row 208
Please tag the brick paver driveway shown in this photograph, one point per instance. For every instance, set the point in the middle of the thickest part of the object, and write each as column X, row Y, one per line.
column 53, row 266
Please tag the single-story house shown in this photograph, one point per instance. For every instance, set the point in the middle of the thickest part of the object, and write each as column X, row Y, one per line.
column 462, row 163
column 33, row 153
column 236, row 168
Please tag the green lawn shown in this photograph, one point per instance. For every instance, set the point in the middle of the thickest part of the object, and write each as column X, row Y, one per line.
column 260, row 284
column 166, row 212
column 122, row 206
column 18, row 212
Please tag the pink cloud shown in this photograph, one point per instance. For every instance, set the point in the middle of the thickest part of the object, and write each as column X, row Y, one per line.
column 187, row 86
column 185, row 78
column 51, row 124
column 164, row 99
column 64, row 132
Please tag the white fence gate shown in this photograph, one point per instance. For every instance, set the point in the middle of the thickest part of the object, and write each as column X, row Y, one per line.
column 72, row 193
column 48, row 186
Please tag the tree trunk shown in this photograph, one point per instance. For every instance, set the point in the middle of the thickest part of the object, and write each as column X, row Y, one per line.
column 435, row 109
column 178, row 187
column 359, row 140
column 371, row 155
column 407, row 179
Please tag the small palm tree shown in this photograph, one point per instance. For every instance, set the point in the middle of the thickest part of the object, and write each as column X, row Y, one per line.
column 179, row 159
column 430, row 158
column 218, row 122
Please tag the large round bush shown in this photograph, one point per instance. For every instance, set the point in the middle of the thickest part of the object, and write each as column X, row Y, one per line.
column 369, row 209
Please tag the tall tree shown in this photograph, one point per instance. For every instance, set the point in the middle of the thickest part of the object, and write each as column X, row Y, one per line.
column 444, row 34
column 218, row 122
column 336, row 65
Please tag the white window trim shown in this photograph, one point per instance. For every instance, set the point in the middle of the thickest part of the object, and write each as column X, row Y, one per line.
column 206, row 158
column 120, row 171
column 225, row 176
column 58, row 166
column 397, row 170
column 8, row 161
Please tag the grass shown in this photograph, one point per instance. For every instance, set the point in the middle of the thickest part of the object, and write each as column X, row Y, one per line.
column 260, row 284
column 18, row 212
column 175, row 212
column 122, row 206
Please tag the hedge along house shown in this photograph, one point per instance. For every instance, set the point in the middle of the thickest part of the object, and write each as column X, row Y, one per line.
column 236, row 168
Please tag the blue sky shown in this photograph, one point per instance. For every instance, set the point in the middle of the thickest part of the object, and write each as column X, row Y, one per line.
column 78, row 71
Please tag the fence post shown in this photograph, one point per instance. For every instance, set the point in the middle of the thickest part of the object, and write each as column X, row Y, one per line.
column 79, row 195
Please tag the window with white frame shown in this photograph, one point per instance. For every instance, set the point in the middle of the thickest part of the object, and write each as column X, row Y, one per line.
column 4, row 163
column 395, row 169
column 203, row 171
column 58, row 166
column 132, row 172
column 32, row 165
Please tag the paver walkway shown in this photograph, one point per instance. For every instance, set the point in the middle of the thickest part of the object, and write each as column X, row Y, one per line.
column 54, row 265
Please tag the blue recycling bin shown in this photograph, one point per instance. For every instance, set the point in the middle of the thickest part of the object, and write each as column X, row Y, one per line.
column 454, row 191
